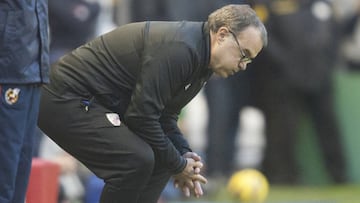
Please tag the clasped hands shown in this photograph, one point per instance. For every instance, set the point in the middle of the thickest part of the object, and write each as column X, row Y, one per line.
column 190, row 179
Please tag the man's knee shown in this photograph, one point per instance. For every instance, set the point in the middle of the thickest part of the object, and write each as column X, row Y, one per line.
column 143, row 161
column 135, row 171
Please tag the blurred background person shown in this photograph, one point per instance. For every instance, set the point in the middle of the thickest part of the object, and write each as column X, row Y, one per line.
column 24, row 66
column 294, row 75
column 72, row 23
column 143, row 10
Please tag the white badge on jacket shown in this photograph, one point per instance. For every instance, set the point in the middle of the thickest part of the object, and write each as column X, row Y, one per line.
column 113, row 118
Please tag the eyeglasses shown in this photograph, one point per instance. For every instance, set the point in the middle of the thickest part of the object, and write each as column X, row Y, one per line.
column 244, row 58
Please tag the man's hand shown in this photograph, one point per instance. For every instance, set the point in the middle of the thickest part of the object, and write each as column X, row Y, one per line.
column 190, row 178
column 198, row 191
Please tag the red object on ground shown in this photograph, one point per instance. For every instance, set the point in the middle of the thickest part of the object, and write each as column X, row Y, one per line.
column 44, row 182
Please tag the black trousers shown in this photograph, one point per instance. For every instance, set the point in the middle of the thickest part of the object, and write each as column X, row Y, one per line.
column 122, row 159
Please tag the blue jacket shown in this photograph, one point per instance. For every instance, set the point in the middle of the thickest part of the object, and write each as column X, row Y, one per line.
column 24, row 42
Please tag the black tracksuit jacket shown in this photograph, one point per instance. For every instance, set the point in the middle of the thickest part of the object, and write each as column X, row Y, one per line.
column 146, row 72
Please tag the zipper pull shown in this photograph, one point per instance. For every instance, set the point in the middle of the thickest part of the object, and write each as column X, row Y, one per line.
column 86, row 104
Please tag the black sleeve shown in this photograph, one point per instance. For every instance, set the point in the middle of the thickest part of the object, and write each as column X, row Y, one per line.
column 164, row 70
column 169, row 125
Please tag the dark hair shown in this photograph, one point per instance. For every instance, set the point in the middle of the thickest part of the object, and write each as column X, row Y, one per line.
column 237, row 17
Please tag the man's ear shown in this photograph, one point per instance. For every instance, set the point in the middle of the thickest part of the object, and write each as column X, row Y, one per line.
column 222, row 33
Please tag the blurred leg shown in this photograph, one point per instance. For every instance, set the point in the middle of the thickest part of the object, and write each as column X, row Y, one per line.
column 281, row 108
column 16, row 140
column 225, row 100
column 219, row 108
column 322, row 109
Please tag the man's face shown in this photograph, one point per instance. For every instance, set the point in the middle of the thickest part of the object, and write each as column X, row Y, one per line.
column 231, row 53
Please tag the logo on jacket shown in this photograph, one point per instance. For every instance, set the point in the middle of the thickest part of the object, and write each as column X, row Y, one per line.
column 113, row 118
column 12, row 95
column 187, row 86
